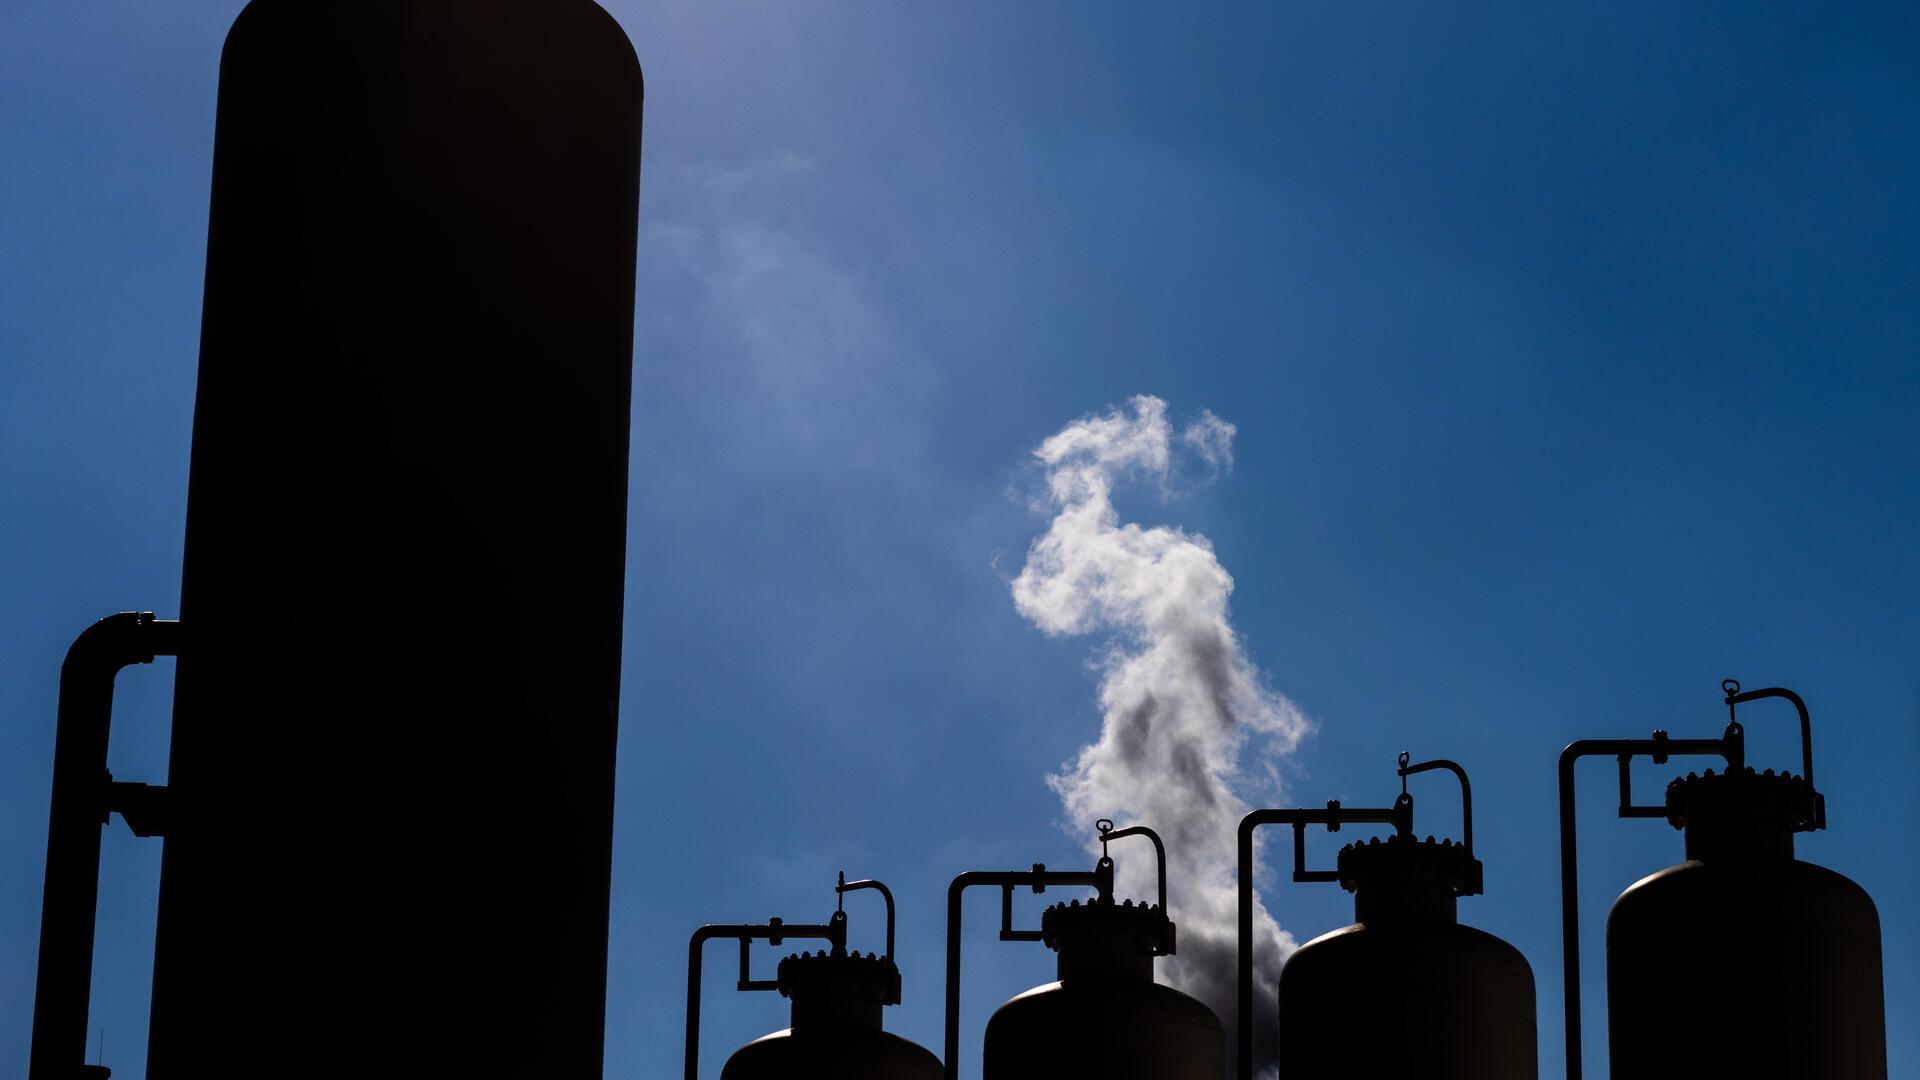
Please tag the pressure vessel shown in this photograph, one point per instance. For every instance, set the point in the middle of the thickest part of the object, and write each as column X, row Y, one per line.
column 1105, row 1016
column 1742, row 960
column 835, row 1032
column 1407, row 991
column 395, row 714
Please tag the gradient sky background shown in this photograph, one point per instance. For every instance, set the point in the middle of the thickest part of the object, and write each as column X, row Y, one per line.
column 1572, row 350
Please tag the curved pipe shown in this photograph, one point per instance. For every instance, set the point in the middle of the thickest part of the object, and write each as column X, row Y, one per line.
column 1160, row 857
column 1474, row 885
column 886, row 894
column 1659, row 748
column 1816, row 809
column 774, row 931
column 1100, row 879
column 1400, row 817
column 1466, row 792
column 80, row 803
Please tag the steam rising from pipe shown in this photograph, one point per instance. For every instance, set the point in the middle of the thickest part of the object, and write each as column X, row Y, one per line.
column 1180, row 697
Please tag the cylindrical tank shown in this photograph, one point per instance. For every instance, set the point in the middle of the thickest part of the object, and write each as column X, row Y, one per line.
column 837, row 1000
column 1742, row 960
column 393, row 745
column 1105, row 1017
column 1406, row 990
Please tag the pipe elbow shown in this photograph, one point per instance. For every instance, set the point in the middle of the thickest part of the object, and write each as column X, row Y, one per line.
column 1573, row 752
column 119, row 640
column 1253, row 820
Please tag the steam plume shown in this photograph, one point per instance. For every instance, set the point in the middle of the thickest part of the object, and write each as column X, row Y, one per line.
column 1180, row 697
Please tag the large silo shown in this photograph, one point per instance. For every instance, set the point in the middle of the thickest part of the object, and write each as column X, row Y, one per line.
column 393, row 745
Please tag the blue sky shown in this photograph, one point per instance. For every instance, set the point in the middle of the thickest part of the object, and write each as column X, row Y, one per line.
column 1571, row 349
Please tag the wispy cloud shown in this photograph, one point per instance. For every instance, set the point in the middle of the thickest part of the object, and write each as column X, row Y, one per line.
column 1180, row 698
column 777, row 335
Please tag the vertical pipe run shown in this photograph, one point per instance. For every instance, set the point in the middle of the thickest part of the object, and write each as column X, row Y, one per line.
column 1569, row 914
column 1730, row 746
column 1400, row 816
column 775, row 931
column 81, row 787
column 1099, row 879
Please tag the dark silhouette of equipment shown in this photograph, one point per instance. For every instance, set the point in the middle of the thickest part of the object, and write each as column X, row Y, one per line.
column 1742, row 960
column 1105, row 1016
column 84, row 795
column 1406, row 990
column 837, row 1000
column 389, row 807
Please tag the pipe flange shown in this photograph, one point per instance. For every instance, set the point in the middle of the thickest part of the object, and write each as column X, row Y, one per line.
column 1126, row 924
column 1774, row 799
column 1407, row 861
column 864, row 977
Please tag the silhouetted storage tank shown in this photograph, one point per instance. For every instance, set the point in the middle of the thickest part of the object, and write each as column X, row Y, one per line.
column 1406, row 991
column 1742, row 960
column 393, row 750
column 837, row 1000
column 1105, row 1016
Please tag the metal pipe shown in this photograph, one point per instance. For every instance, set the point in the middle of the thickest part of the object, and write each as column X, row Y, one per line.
column 1165, row 946
column 1466, row 792
column 1816, row 809
column 83, row 793
column 886, row 894
column 774, row 931
column 1474, row 885
column 1400, row 816
column 1100, row 879
column 1159, row 852
column 1730, row 746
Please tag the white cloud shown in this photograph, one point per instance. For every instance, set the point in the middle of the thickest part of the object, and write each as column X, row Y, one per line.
column 1180, row 697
